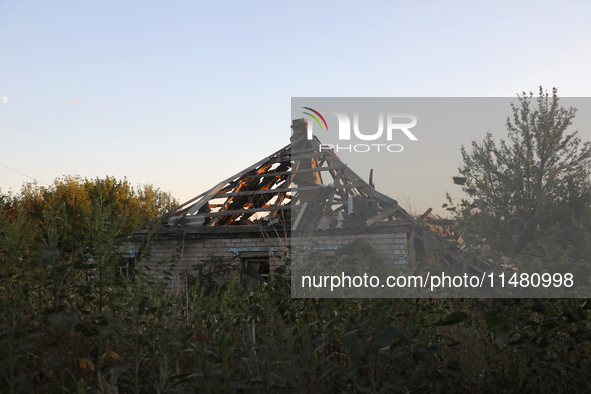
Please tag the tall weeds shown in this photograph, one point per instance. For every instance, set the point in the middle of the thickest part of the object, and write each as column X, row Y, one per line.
column 71, row 322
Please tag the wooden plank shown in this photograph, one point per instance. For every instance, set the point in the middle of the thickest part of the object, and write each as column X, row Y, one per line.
column 213, row 191
column 352, row 176
column 186, row 205
column 381, row 216
column 308, row 188
column 384, row 199
column 180, row 208
column 279, row 160
column 280, row 198
column 299, row 218
column 250, row 210
column 282, row 190
column 423, row 216
column 336, row 178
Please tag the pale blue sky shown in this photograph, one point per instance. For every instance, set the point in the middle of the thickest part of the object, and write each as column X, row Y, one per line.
column 184, row 94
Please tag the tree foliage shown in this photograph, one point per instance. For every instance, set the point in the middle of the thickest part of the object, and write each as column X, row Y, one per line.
column 532, row 187
column 70, row 321
column 73, row 197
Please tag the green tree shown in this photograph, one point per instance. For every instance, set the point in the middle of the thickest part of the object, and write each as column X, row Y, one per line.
column 532, row 190
column 73, row 196
column 7, row 201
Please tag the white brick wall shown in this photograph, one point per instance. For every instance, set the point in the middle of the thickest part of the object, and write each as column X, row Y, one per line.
column 191, row 251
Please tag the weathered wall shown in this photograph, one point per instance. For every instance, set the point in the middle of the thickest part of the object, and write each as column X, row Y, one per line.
column 183, row 252
column 391, row 246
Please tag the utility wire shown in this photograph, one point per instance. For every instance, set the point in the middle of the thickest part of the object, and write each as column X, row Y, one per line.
column 35, row 179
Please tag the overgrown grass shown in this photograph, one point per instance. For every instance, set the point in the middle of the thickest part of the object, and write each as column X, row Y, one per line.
column 71, row 323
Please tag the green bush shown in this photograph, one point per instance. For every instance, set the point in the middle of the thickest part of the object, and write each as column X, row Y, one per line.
column 71, row 322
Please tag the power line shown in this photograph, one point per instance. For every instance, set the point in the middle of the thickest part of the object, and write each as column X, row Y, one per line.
column 35, row 179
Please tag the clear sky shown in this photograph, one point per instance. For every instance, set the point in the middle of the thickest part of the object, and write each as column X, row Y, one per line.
column 185, row 94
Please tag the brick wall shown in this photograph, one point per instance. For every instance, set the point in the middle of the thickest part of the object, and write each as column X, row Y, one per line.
column 184, row 252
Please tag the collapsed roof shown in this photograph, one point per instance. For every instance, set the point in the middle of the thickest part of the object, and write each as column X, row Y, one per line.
column 286, row 189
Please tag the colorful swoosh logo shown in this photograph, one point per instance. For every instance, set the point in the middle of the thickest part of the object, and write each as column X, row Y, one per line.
column 315, row 118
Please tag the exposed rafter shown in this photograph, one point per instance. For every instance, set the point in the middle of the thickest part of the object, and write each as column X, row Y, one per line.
column 290, row 180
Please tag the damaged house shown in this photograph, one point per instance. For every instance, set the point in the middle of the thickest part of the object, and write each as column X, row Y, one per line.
column 251, row 215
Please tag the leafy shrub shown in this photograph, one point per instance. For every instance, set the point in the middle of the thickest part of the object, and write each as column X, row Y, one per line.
column 71, row 322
